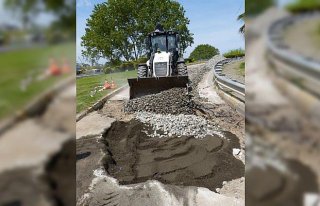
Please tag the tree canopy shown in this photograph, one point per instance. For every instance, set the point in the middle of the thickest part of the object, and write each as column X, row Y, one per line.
column 304, row 6
column 204, row 51
column 63, row 10
column 117, row 29
column 254, row 7
column 241, row 17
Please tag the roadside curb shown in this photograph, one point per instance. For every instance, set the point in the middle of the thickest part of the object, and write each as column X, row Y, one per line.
column 36, row 106
column 99, row 104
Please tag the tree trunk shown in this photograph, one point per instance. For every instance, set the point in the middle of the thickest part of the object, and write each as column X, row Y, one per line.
column 135, row 53
column 134, row 48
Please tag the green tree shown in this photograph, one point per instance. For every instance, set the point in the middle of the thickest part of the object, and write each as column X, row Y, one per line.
column 204, row 51
column 241, row 17
column 304, row 6
column 117, row 29
column 254, row 7
column 63, row 10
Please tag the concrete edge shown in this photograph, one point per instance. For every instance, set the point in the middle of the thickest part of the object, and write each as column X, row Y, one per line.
column 36, row 106
column 97, row 105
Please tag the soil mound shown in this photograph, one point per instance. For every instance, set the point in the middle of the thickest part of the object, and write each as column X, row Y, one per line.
column 184, row 160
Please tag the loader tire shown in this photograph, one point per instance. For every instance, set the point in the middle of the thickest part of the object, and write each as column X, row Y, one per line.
column 142, row 71
column 182, row 69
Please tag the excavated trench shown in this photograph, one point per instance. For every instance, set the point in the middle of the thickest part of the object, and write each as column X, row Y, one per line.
column 132, row 157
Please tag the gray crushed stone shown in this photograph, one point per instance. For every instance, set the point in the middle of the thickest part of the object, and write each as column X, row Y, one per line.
column 176, row 100
column 172, row 101
column 177, row 125
column 196, row 74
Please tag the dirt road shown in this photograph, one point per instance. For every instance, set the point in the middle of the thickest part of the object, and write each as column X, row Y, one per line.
column 128, row 153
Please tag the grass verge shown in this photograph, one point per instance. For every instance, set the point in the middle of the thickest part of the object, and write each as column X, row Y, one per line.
column 242, row 70
column 196, row 62
column 234, row 53
column 303, row 6
column 18, row 65
column 87, row 84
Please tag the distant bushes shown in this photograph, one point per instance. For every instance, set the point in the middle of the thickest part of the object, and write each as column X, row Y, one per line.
column 108, row 70
column 125, row 66
column 203, row 51
column 254, row 7
column 189, row 60
column 304, row 6
column 130, row 65
column 234, row 53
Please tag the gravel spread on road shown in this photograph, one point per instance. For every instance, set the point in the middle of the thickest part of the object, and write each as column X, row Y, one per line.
column 196, row 75
column 172, row 101
column 177, row 125
column 175, row 100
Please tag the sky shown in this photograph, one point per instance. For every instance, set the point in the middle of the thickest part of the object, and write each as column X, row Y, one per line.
column 212, row 22
column 215, row 22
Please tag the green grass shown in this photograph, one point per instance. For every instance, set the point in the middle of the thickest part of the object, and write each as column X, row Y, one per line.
column 242, row 70
column 17, row 65
column 316, row 34
column 86, row 85
column 234, row 53
column 195, row 62
column 303, row 6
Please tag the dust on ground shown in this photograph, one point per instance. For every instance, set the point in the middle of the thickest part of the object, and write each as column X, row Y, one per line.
column 115, row 109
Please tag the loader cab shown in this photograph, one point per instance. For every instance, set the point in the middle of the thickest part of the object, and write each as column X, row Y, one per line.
column 164, row 69
column 162, row 41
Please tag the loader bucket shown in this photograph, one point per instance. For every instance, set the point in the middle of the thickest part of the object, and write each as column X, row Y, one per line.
column 152, row 85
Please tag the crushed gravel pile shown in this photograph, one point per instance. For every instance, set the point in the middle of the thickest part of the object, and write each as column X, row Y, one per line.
column 196, row 74
column 172, row 101
column 177, row 125
column 176, row 100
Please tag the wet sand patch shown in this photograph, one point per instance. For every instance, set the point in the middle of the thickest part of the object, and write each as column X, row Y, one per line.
column 185, row 160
